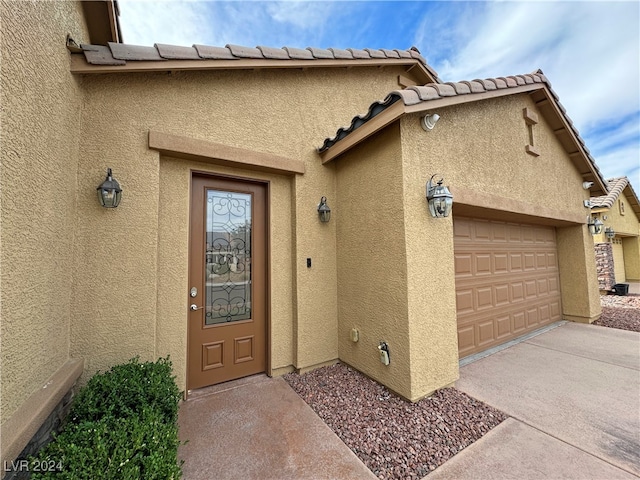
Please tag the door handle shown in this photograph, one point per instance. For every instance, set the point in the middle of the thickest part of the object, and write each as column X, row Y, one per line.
column 194, row 307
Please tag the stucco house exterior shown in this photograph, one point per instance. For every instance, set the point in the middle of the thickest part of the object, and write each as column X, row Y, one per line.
column 618, row 244
column 216, row 254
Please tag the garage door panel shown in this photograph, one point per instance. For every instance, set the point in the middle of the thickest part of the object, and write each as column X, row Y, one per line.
column 463, row 263
column 500, row 263
column 482, row 264
column 529, row 261
column 530, row 289
column 499, row 233
column 515, row 262
column 486, row 333
column 545, row 313
column 466, row 339
column 503, row 326
column 541, row 260
column 484, row 298
column 543, row 286
column 507, row 281
column 517, row 292
column 501, row 294
column 464, row 301
column 519, row 322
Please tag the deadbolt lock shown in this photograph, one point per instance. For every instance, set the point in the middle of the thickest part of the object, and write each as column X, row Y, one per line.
column 193, row 292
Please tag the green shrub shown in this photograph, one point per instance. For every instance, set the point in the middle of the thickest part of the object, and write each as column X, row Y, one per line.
column 122, row 425
column 125, row 389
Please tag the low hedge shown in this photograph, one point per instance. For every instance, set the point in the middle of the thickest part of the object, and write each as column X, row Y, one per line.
column 122, row 425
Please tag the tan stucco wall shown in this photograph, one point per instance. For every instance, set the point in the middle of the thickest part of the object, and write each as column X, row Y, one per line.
column 480, row 148
column 631, row 246
column 627, row 224
column 286, row 113
column 627, row 228
column 41, row 103
column 578, row 278
column 372, row 267
column 430, row 272
column 618, row 261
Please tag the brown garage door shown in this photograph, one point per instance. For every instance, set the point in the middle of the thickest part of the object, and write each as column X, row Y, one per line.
column 507, row 281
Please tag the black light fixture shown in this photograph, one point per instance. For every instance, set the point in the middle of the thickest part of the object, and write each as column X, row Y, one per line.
column 609, row 232
column 595, row 225
column 323, row 210
column 439, row 198
column 109, row 192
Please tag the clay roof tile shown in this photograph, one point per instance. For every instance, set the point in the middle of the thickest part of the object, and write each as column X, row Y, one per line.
column 426, row 92
column 375, row 53
column 320, row 52
column 461, row 88
column 500, row 83
column 338, row 53
column 273, row 53
column 214, row 53
column 474, row 86
column 390, row 53
column 357, row 53
column 174, row 52
column 100, row 55
column 244, row 52
column 403, row 53
column 298, row 53
column 133, row 52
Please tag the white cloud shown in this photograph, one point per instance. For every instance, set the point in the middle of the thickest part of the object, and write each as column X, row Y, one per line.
column 301, row 14
column 588, row 50
column 172, row 22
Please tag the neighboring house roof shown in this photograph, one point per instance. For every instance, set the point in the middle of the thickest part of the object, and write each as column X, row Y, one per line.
column 615, row 186
column 434, row 95
column 119, row 57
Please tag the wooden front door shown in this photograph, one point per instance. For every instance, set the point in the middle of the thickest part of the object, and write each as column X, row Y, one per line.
column 228, row 280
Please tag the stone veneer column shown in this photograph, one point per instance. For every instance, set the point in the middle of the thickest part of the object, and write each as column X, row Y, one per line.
column 604, row 266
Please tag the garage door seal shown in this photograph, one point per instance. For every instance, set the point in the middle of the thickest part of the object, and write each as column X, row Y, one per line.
column 477, row 356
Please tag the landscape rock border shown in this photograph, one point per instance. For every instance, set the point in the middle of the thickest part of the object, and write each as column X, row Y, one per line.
column 394, row 438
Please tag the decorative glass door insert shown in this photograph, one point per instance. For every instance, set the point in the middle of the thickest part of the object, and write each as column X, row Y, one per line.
column 227, row 257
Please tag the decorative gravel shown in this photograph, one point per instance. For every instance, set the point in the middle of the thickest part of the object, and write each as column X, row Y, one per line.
column 393, row 437
column 620, row 311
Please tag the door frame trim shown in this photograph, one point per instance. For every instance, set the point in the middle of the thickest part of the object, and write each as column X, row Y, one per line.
column 267, row 185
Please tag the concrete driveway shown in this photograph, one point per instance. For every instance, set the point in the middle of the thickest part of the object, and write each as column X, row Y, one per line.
column 573, row 394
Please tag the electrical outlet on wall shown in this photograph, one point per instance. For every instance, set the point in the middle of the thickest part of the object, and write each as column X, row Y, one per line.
column 355, row 335
column 383, row 349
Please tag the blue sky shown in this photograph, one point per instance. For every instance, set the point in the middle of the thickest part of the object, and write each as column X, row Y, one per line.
column 590, row 51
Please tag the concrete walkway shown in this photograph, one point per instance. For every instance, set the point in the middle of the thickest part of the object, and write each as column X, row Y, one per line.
column 259, row 428
column 574, row 397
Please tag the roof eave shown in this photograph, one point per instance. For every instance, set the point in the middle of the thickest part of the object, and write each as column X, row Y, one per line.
column 579, row 157
column 371, row 127
column 398, row 109
column 80, row 66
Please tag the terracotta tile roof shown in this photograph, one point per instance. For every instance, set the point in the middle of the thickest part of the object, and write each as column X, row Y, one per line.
column 118, row 54
column 615, row 187
column 467, row 91
column 423, row 93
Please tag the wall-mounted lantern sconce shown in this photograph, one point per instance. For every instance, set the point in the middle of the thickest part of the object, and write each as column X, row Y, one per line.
column 439, row 198
column 429, row 121
column 595, row 225
column 323, row 210
column 609, row 232
column 109, row 192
